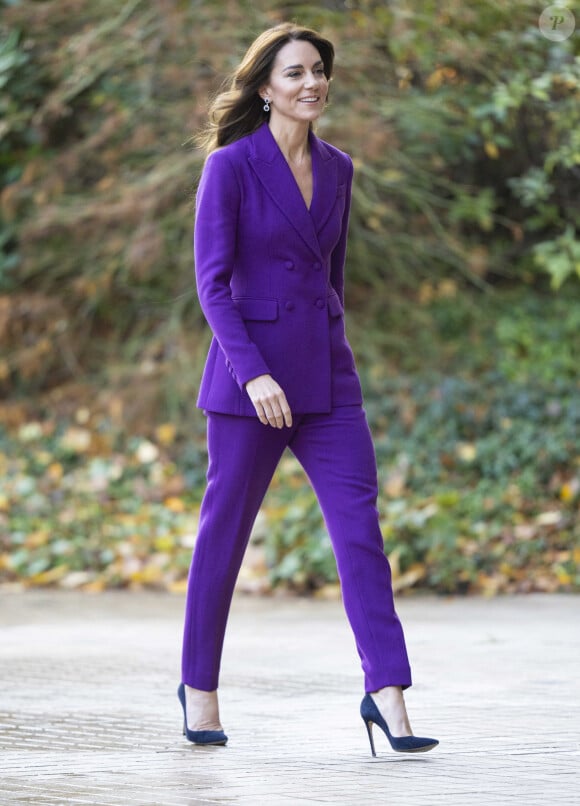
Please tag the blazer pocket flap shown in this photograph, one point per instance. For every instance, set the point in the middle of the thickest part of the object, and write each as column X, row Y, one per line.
column 335, row 306
column 265, row 310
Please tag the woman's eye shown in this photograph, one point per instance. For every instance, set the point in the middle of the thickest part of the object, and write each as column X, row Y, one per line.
column 296, row 73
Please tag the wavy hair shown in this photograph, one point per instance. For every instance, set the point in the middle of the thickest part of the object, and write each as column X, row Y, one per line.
column 237, row 110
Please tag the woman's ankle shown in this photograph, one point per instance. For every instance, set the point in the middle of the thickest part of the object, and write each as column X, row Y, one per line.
column 391, row 703
column 202, row 709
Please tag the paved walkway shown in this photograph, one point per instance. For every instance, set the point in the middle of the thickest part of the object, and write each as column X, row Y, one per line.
column 88, row 712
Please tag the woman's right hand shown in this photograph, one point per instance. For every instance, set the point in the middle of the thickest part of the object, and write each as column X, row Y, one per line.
column 270, row 402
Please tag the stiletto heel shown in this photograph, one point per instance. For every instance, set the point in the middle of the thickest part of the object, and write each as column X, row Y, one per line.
column 199, row 736
column 401, row 744
column 371, row 740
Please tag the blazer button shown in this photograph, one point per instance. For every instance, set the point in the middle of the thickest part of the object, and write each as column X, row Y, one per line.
column 319, row 303
column 317, row 266
column 289, row 305
column 289, row 265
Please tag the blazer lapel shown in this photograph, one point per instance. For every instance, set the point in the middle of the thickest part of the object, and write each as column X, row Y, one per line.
column 325, row 169
column 276, row 176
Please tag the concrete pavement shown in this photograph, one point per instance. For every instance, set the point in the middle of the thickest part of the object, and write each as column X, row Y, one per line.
column 89, row 714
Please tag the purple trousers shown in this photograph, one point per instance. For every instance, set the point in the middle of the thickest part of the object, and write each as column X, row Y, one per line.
column 337, row 454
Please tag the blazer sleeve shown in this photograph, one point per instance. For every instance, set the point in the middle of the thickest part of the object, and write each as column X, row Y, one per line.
column 216, row 221
column 338, row 256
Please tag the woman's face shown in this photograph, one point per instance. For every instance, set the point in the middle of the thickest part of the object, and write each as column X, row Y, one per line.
column 297, row 87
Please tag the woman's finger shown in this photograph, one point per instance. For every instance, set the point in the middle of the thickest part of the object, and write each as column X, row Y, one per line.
column 271, row 415
column 261, row 414
column 285, row 410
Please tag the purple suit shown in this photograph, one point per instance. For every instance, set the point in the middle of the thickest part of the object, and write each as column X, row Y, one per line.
column 270, row 282
column 270, row 276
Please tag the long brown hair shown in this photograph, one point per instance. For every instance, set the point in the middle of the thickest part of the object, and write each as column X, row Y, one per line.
column 238, row 108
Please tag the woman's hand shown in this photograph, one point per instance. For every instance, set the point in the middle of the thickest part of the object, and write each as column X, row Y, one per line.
column 270, row 402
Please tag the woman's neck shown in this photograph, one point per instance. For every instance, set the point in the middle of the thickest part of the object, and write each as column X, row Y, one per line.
column 292, row 140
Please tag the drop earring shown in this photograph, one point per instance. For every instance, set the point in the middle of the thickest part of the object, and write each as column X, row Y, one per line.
column 266, row 104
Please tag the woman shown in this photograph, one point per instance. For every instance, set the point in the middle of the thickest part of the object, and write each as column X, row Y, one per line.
column 270, row 241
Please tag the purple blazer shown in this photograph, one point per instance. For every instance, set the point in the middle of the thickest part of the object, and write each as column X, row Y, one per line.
column 269, row 276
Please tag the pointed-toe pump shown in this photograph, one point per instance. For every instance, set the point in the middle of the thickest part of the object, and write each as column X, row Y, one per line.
column 199, row 736
column 402, row 744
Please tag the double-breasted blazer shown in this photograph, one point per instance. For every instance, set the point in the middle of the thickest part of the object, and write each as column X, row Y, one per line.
column 270, row 276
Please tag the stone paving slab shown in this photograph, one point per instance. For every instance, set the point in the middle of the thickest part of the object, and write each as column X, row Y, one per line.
column 89, row 713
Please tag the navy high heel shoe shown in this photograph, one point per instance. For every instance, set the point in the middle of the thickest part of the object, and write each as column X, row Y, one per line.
column 199, row 736
column 402, row 744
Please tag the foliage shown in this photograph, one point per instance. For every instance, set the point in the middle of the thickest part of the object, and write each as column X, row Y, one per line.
column 469, row 161
column 463, row 122
column 559, row 256
column 538, row 345
column 479, row 477
column 478, row 455
column 81, row 509
column 473, row 155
